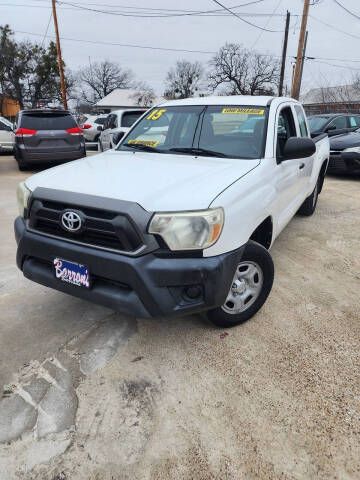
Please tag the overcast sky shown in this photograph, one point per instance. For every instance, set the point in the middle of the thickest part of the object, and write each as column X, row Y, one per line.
column 205, row 33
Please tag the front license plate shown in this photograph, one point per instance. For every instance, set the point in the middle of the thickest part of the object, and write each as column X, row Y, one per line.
column 73, row 273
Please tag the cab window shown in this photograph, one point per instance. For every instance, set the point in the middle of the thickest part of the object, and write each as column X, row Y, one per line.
column 285, row 129
column 302, row 122
column 339, row 122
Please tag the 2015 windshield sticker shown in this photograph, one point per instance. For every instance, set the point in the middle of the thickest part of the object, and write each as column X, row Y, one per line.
column 248, row 111
column 155, row 114
column 148, row 143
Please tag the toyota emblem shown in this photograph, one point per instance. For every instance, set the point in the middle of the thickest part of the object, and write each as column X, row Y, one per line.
column 71, row 221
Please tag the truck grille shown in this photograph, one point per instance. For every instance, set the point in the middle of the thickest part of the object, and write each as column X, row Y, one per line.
column 100, row 228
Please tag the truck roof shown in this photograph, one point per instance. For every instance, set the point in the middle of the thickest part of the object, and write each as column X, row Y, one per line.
column 228, row 100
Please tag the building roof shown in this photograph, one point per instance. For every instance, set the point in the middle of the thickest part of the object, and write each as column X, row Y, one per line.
column 339, row 94
column 121, row 97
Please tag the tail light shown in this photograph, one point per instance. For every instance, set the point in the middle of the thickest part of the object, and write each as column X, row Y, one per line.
column 74, row 131
column 24, row 132
column 86, row 126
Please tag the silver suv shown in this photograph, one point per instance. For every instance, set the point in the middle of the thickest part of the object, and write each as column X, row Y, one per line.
column 116, row 122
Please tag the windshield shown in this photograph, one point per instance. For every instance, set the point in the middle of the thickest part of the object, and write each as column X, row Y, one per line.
column 317, row 123
column 201, row 130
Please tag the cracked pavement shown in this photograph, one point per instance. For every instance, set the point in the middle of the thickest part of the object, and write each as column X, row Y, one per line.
column 89, row 394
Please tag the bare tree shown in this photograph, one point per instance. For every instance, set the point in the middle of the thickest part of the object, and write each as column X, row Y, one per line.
column 102, row 78
column 243, row 72
column 144, row 95
column 183, row 80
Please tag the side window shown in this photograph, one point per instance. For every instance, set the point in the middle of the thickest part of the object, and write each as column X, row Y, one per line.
column 339, row 122
column 106, row 124
column 354, row 121
column 285, row 129
column 2, row 126
column 302, row 122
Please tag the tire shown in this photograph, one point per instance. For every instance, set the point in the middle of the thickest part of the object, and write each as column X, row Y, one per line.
column 309, row 205
column 249, row 293
column 100, row 147
column 23, row 166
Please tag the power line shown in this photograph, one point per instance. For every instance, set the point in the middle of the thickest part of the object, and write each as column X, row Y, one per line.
column 240, row 18
column 335, row 28
column 346, row 10
column 266, row 24
column 119, row 44
column 46, row 31
column 122, row 14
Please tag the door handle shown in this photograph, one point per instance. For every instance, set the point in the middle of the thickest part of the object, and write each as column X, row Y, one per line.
column 301, row 166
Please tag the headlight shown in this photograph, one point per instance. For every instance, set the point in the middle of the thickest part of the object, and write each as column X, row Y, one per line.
column 188, row 230
column 352, row 149
column 22, row 194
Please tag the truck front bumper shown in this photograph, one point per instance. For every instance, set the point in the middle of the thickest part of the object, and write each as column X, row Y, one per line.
column 147, row 286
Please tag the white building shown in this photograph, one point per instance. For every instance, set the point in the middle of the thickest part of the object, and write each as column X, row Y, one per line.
column 122, row 99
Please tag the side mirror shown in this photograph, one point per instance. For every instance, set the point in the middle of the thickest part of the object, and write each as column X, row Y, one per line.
column 298, row 147
column 330, row 127
column 117, row 136
column 100, row 128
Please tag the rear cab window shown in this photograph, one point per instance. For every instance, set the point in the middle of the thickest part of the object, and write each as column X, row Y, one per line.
column 302, row 121
column 44, row 121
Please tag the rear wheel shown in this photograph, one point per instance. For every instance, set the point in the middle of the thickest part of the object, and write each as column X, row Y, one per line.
column 309, row 205
column 21, row 164
column 251, row 285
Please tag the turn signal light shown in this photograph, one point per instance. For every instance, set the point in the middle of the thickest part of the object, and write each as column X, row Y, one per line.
column 74, row 131
column 24, row 132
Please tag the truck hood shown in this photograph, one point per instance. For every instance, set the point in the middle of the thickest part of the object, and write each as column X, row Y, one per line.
column 346, row 140
column 156, row 181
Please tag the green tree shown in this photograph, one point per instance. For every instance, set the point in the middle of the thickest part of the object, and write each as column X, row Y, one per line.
column 29, row 72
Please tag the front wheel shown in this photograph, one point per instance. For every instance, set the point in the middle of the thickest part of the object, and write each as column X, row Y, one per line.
column 251, row 285
column 309, row 205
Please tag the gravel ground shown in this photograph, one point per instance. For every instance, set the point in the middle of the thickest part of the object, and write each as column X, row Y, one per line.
column 93, row 395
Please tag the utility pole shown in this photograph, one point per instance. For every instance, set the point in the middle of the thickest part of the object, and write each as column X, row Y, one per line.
column 296, row 90
column 283, row 62
column 303, row 61
column 61, row 69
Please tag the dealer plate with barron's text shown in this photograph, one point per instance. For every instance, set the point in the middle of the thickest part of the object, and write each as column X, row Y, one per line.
column 73, row 273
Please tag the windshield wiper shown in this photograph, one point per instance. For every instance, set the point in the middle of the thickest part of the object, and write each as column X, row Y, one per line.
column 198, row 151
column 141, row 146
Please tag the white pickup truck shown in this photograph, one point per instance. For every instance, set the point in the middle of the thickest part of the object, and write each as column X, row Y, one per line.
column 180, row 217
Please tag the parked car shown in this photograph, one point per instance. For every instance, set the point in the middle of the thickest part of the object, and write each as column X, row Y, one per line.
column 92, row 126
column 6, row 135
column 333, row 124
column 180, row 223
column 345, row 153
column 117, row 121
column 47, row 136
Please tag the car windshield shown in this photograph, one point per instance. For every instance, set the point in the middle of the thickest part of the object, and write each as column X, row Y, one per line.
column 317, row 123
column 201, row 130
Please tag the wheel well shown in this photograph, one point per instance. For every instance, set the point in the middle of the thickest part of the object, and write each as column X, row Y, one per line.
column 322, row 175
column 263, row 233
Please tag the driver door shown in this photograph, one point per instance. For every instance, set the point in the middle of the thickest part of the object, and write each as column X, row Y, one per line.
column 288, row 172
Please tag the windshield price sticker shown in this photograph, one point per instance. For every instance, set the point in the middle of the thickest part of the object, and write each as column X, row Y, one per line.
column 148, row 143
column 155, row 114
column 248, row 111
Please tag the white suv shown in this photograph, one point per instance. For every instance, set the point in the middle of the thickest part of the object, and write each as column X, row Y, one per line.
column 116, row 122
column 90, row 127
column 6, row 135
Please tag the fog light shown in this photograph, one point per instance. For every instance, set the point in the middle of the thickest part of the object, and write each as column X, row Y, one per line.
column 193, row 292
